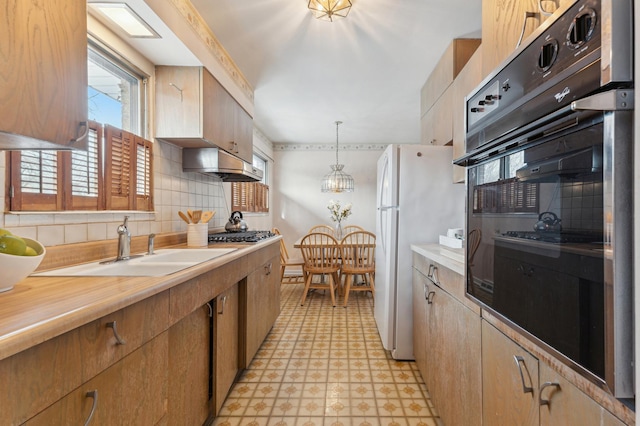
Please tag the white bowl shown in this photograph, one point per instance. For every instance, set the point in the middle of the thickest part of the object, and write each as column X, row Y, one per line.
column 17, row 268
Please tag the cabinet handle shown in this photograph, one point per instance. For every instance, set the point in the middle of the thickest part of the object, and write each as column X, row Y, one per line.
column 224, row 300
column 526, row 272
column 210, row 309
column 267, row 269
column 527, row 15
column 519, row 359
column 93, row 395
column 544, row 12
column 178, row 89
column 84, row 127
column 426, row 296
column 112, row 326
column 546, row 385
column 433, row 274
column 430, row 297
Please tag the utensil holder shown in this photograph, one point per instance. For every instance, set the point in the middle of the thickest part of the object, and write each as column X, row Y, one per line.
column 197, row 235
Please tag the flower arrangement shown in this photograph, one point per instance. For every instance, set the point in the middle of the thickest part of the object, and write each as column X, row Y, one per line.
column 338, row 214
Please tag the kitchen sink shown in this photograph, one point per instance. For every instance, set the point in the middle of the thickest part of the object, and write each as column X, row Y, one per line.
column 163, row 262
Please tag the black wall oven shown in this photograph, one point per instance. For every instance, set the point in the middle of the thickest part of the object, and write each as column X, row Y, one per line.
column 549, row 149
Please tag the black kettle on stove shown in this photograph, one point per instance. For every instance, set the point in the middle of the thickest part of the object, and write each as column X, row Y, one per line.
column 548, row 222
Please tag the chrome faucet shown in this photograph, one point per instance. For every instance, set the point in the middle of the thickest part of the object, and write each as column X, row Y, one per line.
column 150, row 243
column 124, row 241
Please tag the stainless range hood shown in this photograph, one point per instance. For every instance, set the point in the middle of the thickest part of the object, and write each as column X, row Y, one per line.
column 217, row 162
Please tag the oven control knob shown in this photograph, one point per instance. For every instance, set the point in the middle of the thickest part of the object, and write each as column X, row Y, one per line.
column 581, row 29
column 477, row 109
column 506, row 87
column 548, row 55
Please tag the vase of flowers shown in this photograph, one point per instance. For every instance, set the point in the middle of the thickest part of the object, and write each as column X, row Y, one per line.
column 338, row 214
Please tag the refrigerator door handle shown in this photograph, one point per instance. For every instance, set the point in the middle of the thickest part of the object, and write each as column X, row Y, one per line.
column 387, row 207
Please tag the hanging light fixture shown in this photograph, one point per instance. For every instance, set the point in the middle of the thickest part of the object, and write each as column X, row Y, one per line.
column 327, row 9
column 337, row 180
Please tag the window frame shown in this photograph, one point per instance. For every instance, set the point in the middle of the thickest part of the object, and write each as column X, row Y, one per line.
column 252, row 197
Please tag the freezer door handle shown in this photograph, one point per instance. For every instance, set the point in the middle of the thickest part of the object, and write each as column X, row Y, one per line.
column 387, row 207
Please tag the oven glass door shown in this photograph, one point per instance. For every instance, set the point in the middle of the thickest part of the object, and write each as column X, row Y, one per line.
column 536, row 241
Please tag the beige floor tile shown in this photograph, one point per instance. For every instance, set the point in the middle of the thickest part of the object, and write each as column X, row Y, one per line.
column 326, row 366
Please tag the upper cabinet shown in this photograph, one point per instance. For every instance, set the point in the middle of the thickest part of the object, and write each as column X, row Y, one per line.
column 436, row 96
column 506, row 23
column 43, row 74
column 194, row 110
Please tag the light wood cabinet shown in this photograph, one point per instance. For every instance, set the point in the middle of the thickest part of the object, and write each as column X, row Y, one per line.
column 226, row 356
column 437, row 124
column 509, row 381
column 194, row 110
column 503, row 23
column 468, row 79
column 132, row 391
column 43, row 101
column 447, row 343
column 262, row 305
column 190, row 378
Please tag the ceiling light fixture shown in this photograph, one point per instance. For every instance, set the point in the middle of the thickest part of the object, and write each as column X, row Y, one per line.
column 337, row 180
column 126, row 19
column 327, row 9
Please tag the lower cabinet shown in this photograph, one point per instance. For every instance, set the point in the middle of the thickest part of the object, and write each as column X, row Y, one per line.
column 520, row 389
column 131, row 391
column 263, row 305
column 190, row 373
column 447, row 346
column 226, row 337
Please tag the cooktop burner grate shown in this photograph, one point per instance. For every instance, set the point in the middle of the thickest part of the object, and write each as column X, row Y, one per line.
column 240, row 237
column 556, row 237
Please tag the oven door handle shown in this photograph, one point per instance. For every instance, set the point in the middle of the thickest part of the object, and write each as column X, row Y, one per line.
column 612, row 100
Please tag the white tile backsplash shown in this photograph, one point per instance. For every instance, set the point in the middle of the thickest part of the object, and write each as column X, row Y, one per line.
column 173, row 190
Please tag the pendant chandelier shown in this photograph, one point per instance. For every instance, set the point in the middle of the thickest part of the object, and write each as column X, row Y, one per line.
column 328, row 9
column 337, row 180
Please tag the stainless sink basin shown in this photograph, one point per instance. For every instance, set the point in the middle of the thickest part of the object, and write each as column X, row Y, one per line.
column 163, row 262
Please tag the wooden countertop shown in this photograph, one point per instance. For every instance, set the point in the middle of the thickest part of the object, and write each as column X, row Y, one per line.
column 40, row 308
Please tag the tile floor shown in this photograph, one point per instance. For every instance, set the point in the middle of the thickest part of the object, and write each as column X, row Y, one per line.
column 326, row 366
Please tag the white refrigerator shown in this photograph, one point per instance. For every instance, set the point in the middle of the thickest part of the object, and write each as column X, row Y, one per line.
column 416, row 202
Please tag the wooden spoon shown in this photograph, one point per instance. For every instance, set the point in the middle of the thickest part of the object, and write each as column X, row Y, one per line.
column 206, row 216
column 190, row 214
column 184, row 217
column 196, row 215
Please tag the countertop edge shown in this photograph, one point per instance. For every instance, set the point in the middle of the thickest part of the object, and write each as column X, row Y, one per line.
column 43, row 318
column 435, row 252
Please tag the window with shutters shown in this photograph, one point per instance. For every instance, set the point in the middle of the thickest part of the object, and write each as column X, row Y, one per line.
column 252, row 196
column 115, row 173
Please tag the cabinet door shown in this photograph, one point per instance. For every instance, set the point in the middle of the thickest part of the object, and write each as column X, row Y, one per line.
column 437, row 123
column 420, row 292
column 263, row 305
column 132, row 391
column 457, row 369
column 190, row 369
column 564, row 404
column 226, row 349
column 509, row 381
column 502, row 24
column 178, row 103
column 243, row 134
column 218, row 113
column 44, row 74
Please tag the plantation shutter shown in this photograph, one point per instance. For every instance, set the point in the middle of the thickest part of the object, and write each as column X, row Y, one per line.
column 35, row 183
column 86, row 178
column 119, row 151
column 144, row 174
column 250, row 197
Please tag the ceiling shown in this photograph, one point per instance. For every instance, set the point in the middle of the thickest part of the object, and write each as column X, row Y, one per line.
column 365, row 70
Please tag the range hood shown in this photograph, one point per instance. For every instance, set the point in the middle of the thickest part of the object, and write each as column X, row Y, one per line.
column 217, row 162
column 569, row 165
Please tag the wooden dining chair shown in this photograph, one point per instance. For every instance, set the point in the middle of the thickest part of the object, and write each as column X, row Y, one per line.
column 326, row 229
column 351, row 228
column 295, row 272
column 473, row 241
column 321, row 254
column 358, row 255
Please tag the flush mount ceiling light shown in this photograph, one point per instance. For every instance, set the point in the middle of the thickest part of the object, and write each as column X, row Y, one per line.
column 328, row 9
column 337, row 180
column 125, row 18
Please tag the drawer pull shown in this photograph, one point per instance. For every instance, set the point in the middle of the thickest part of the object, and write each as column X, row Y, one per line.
column 519, row 363
column 210, row 309
column 223, row 301
column 430, row 297
column 112, row 326
column 433, row 274
column 546, row 385
column 267, row 269
column 527, row 15
column 93, row 395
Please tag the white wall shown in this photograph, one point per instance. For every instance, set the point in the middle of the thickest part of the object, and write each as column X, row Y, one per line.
column 298, row 203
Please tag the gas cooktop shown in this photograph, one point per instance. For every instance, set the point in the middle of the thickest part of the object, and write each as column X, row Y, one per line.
column 240, row 237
